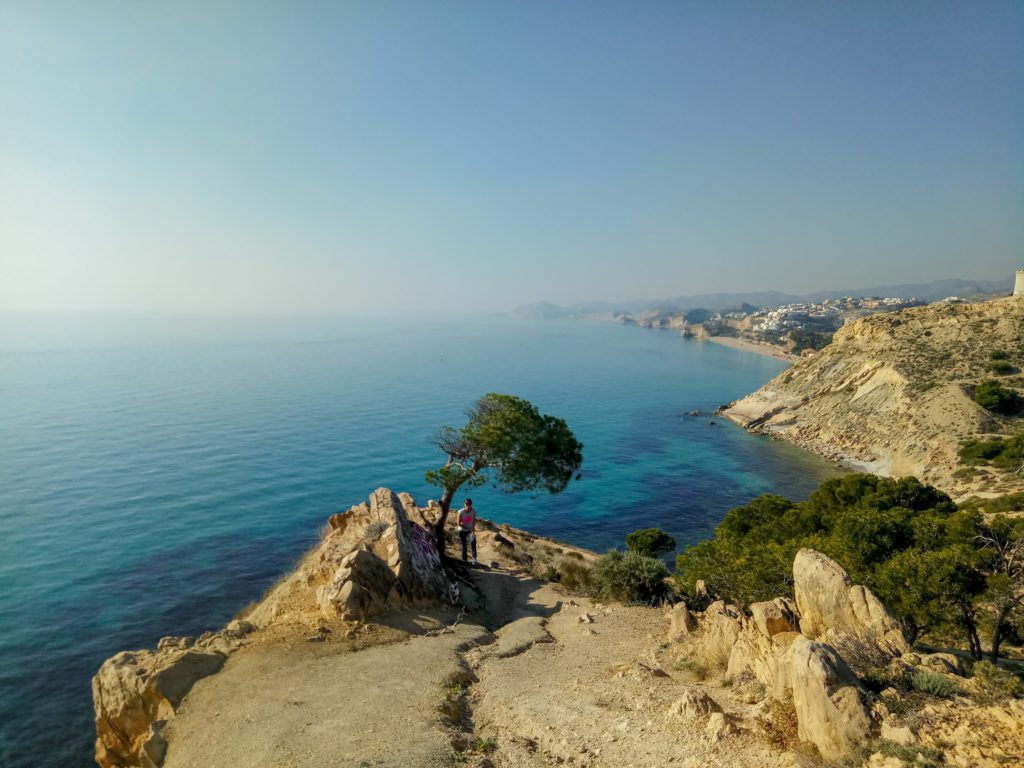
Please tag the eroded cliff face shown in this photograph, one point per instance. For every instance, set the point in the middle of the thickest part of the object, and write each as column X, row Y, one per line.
column 890, row 395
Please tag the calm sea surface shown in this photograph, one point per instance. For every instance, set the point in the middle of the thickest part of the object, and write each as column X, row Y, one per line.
column 157, row 475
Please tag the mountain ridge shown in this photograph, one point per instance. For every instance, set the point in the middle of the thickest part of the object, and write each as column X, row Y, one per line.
column 931, row 291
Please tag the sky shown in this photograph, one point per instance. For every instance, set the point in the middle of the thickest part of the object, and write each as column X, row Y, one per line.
column 219, row 157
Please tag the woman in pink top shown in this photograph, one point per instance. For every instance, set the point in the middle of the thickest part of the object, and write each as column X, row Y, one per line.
column 467, row 524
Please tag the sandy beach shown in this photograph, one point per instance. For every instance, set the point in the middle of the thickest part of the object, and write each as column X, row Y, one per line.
column 750, row 346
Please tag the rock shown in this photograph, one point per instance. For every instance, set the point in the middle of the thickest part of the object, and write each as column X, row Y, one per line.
column 828, row 601
column 585, row 618
column 694, row 705
column 719, row 726
column 898, row 735
column 360, row 587
column 373, row 559
column 830, row 705
column 947, row 663
column 720, row 628
column 778, row 615
column 338, row 521
column 700, row 589
column 134, row 690
column 683, row 622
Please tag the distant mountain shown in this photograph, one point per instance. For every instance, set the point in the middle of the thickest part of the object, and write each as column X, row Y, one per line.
column 933, row 291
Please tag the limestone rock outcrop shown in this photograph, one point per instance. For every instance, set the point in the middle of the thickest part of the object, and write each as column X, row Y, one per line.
column 831, row 706
column 373, row 558
column 832, row 607
column 775, row 645
column 136, row 692
column 891, row 394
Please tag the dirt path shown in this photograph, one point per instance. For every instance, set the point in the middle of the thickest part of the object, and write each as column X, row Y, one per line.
column 549, row 688
column 600, row 694
column 319, row 705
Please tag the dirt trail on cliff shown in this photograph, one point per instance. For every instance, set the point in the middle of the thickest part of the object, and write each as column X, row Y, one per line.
column 321, row 706
column 288, row 702
column 548, row 689
column 600, row 692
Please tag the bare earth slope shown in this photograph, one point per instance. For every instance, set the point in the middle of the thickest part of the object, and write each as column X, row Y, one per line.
column 890, row 394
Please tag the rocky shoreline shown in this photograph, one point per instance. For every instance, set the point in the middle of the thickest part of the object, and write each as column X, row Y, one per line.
column 891, row 395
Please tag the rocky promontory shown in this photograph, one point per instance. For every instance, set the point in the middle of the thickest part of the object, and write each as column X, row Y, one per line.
column 376, row 651
column 892, row 394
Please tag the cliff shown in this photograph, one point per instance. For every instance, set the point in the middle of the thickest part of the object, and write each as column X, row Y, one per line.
column 375, row 652
column 891, row 394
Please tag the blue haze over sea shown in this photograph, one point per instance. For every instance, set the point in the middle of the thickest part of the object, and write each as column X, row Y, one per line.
column 157, row 475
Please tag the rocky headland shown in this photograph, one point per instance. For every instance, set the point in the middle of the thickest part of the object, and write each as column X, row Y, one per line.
column 892, row 394
column 374, row 652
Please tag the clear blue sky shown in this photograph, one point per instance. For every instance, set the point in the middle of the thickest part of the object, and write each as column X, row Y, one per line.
column 296, row 157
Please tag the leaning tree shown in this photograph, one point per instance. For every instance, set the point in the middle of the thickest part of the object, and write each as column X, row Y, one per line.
column 507, row 440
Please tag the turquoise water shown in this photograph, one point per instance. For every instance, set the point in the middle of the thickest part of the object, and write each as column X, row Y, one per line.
column 157, row 475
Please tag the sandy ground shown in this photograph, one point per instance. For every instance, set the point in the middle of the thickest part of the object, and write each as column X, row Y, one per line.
column 750, row 346
column 517, row 680
column 319, row 705
column 600, row 693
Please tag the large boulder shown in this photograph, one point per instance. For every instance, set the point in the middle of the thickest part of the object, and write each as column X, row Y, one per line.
column 720, row 629
column 682, row 621
column 775, row 616
column 381, row 561
column 831, row 706
column 134, row 692
column 829, row 603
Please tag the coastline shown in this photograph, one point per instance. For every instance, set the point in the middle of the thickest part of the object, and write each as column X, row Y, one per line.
column 750, row 346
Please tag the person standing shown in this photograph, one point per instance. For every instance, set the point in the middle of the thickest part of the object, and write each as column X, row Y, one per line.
column 467, row 528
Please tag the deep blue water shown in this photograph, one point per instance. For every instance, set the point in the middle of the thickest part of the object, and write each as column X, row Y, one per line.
column 157, row 475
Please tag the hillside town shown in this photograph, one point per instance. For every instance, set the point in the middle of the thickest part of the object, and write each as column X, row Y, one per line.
column 799, row 328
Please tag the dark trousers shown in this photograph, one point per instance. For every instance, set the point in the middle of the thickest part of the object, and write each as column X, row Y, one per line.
column 463, row 538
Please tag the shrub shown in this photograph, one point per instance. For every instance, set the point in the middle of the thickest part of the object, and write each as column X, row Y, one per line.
column 993, row 396
column 1000, row 367
column 996, row 683
column 912, row 754
column 374, row 531
column 652, row 542
column 933, row 684
column 1004, row 454
column 574, row 576
column 779, row 724
column 629, row 577
column 999, row 354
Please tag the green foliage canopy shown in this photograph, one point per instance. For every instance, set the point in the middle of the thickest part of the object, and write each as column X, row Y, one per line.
column 1004, row 454
column 993, row 396
column 905, row 540
column 652, row 542
column 628, row 576
column 509, row 441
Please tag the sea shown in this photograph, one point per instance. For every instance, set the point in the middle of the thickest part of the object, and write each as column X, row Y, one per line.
column 159, row 473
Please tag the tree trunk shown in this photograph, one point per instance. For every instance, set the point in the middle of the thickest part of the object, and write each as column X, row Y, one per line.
column 997, row 634
column 969, row 625
column 446, row 503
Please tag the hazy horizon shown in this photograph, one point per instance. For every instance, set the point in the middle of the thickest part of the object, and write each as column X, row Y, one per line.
column 251, row 159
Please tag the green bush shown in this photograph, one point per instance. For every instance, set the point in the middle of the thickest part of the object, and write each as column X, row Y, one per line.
column 1000, row 367
column 1004, row 454
column 652, row 542
column 993, row 396
column 997, row 683
column 999, row 354
column 629, row 577
column 574, row 576
column 933, row 684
